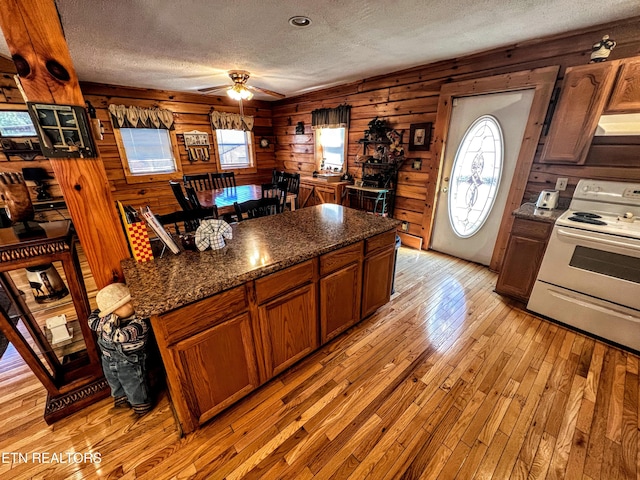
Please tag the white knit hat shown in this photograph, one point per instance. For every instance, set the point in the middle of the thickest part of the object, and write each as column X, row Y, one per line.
column 112, row 297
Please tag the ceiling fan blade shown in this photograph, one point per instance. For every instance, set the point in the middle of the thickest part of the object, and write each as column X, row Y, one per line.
column 213, row 89
column 264, row 90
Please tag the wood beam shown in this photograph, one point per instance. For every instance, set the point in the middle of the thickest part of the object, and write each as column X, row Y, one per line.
column 39, row 50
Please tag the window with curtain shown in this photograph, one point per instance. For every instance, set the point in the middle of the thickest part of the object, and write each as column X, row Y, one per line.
column 234, row 141
column 146, row 142
column 330, row 126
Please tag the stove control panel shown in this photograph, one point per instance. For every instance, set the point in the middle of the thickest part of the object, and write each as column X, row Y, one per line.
column 632, row 193
column 608, row 192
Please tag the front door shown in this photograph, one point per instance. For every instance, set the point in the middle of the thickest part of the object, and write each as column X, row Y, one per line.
column 483, row 143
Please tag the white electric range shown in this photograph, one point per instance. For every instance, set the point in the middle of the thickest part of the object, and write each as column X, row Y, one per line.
column 590, row 274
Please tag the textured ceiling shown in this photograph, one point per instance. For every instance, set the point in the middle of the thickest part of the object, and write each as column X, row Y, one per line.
column 180, row 45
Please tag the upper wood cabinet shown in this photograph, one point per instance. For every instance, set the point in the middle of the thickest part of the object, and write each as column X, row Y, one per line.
column 626, row 93
column 584, row 94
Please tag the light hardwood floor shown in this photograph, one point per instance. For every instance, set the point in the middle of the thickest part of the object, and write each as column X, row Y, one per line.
column 449, row 380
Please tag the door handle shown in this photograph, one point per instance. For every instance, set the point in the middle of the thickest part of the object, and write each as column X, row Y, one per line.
column 614, row 243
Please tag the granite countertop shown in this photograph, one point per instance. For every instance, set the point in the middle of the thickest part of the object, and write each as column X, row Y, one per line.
column 528, row 211
column 259, row 247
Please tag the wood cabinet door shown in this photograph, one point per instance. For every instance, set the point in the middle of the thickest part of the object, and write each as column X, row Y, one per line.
column 339, row 300
column 585, row 91
column 288, row 328
column 523, row 257
column 305, row 195
column 217, row 367
column 376, row 280
column 326, row 194
column 626, row 94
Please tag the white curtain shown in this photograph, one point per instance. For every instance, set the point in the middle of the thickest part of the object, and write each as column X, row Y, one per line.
column 231, row 121
column 138, row 117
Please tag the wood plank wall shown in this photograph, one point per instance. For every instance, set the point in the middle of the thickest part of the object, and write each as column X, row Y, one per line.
column 402, row 98
column 191, row 112
column 411, row 96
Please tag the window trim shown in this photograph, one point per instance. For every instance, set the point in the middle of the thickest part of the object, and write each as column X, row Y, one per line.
column 252, row 168
column 316, row 150
column 156, row 177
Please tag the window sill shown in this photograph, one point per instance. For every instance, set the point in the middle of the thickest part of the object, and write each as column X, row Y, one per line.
column 156, row 177
column 239, row 170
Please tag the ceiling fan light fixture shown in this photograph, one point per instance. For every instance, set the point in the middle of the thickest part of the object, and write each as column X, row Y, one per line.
column 300, row 21
column 239, row 92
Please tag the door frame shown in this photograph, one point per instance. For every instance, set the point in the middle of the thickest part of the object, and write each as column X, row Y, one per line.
column 542, row 80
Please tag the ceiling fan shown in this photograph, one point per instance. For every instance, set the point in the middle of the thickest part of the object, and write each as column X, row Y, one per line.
column 240, row 90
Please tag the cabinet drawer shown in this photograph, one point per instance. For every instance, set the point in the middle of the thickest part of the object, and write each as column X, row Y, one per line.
column 284, row 280
column 331, row 262
column 189, row 320
column 531, row 229
column 383, row 240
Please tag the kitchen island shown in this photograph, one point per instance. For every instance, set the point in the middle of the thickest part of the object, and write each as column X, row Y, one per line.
column 228, row 321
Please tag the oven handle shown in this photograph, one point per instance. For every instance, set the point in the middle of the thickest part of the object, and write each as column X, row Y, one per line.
column 615, row 243
column 608, row 310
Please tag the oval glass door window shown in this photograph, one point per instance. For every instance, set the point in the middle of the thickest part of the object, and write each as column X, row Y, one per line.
column 475, row 176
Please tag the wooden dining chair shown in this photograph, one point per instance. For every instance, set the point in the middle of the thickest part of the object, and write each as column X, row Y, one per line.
column 198, row 181
column 277, row 176
column 293, row 180
column 223, row 180
column 189, row 220
column 276, row 190
column 256, row 208
column 176, row 187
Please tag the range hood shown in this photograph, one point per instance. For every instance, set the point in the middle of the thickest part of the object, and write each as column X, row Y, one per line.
column 614, row 125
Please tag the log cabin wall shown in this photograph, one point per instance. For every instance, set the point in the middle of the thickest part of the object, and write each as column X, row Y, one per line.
column 411, row 96
column 191, row 112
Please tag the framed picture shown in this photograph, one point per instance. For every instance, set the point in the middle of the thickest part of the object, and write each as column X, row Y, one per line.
column 194, row 138
column 420, row 137
column 63, row 130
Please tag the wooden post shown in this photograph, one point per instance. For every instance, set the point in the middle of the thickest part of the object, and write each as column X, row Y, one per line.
column 39, row 50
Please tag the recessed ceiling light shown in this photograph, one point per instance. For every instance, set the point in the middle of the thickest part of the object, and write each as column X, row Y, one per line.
column 300, row 21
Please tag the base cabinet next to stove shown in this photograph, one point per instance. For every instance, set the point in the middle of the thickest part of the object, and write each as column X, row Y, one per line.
column 522, row 259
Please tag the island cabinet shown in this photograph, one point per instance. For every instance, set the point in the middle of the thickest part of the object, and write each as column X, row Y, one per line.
column 523, row 257
column 378, row 262
column 287, row 316
column 209, row 354
column 228, row 321
column 340, row 290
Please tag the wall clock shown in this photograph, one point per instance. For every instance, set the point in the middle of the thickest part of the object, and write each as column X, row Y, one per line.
column 264, row 142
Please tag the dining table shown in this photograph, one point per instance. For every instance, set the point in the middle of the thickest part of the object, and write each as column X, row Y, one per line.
column 224, row 198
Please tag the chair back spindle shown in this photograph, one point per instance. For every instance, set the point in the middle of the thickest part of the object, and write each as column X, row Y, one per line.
column 198, row 181
column 223, row 180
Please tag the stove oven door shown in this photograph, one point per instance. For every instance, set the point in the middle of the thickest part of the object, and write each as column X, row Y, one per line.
column 594, row 264
column 591, row 281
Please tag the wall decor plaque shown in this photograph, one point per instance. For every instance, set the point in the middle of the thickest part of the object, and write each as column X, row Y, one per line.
column 63, row 130
column 197, row 145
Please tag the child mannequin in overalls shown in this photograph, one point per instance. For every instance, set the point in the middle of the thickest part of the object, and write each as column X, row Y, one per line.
column 122, row 337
